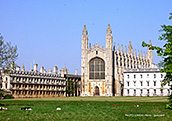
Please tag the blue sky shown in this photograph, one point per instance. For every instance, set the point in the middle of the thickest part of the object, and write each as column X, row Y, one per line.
column 48, row 32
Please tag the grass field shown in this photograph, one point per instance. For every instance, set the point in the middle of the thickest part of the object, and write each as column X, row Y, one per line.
column 93, row 108
column 118, row 99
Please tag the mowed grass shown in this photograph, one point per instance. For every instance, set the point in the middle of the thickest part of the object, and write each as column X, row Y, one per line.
column 117, row 99
column 89, row 109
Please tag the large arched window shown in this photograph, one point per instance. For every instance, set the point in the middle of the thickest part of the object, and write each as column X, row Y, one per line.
column 97, row 68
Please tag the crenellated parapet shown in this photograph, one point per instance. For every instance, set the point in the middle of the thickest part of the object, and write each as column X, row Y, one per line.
column 96, row 47
column 131, row 60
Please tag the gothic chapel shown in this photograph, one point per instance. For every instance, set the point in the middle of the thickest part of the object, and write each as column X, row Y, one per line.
column 102, row 68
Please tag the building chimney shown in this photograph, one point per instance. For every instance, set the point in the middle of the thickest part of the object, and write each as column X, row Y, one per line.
column 42, row 69
column 62, row 72
column 36, row 67
column 50, row 71
column 18, row 68
column 76, row 72
column 55, row 69
column 23, row 69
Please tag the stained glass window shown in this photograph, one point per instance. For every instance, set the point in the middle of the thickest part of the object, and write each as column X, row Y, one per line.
column 97, row 68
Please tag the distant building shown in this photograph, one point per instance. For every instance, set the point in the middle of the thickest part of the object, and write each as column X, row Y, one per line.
column 102, row 68
column 145, row 82
column 73, row 82
column 32, row 84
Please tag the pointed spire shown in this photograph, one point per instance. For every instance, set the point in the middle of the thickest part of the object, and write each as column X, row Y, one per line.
column 23, row 69
column 109, row 31
column 121, row 48
column 147, row 55
column 114, row 46
column 130, row 46
column 84, row 32
column 90, row 45
column 84, row 38
column 118, row 48
column 138, row 54
column 150, row 54
column 144, row 54
column 141, row 54
column 135, row 52
column 96, row 44
column 150, row 43
column 130, row 49
column 125, row 49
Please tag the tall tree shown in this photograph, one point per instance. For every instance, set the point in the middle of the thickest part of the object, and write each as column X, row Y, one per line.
column 8, row 54
column 165, row 51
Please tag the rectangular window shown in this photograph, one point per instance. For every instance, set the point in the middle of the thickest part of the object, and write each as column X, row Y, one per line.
column 128, row 76
column 154, row 76
column 134, row 83
column 161, row 75
column 134, row 91
column 147, row 83
column 154, row 83
column 96, row 75
column 128, row 83
column 154, row 91
column 141, row 91
column 141, row 83
column 148, row 91
column 128, row 91
column 141, row 76
column 134, row 76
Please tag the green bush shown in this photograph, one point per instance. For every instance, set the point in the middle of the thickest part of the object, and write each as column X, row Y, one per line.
column 168, row 106
column 170, row 98
column 8, row 97
column 1, row 94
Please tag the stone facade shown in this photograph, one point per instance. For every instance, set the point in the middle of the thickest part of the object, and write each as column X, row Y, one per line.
column 34, row 84
column 28, row 84
column 73, row 83
column 102, row 68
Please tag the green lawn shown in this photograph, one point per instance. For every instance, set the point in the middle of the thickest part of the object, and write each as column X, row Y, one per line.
column 118, row 99
column 93, row 108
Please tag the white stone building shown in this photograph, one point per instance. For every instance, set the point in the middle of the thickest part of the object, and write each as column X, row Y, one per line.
column 145, row 82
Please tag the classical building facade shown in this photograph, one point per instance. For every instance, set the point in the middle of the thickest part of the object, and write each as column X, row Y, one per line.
column 145, row 82
column 102, row 68
column 27, row 84
column 34, row 84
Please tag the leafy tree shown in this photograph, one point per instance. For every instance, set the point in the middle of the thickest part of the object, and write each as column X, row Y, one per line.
column 165, row 51
column 71, row 87
column 1, row 94
column 8, row 54
column 161, row 64
column 8, row 96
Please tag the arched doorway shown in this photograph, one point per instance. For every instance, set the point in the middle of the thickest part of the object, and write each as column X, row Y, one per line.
column 96, row 92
